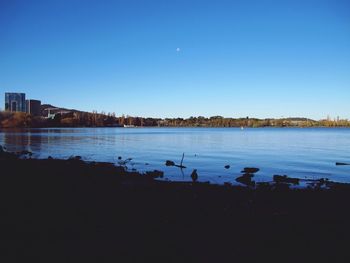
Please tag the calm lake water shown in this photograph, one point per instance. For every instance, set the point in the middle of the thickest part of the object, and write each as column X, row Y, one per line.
column 309, row 153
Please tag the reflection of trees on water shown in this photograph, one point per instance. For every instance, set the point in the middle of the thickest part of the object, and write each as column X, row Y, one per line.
column 18, row 140
column 58, row 142
column 33, row 139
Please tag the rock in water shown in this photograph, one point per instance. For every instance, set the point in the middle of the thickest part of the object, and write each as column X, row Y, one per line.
column 246, row 179
column 285, row 179
column 169, row 163
column 250, row 170
column 194, row 175
column 155, row 174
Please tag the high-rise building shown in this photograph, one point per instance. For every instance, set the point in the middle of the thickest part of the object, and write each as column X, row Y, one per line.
column 15, row 101
column 33, row 107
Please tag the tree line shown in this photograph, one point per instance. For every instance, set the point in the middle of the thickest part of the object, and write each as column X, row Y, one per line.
column 95, row 119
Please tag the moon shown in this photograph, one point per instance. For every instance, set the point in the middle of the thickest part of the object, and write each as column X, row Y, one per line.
column 178, row 49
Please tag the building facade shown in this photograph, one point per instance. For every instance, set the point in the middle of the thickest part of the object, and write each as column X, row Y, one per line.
column 33, row 107
column 15, row 102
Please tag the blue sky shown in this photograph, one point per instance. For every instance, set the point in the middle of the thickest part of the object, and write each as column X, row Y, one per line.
column 235, row 58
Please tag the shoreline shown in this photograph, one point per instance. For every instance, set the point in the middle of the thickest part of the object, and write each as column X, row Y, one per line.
column 177, row 127
column 246, row 178
column 70, row 210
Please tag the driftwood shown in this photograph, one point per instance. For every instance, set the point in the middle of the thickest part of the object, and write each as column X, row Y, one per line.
column 182, row 159
column 171, row 163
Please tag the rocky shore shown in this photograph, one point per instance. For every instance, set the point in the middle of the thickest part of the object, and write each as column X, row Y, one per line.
column 74, row 211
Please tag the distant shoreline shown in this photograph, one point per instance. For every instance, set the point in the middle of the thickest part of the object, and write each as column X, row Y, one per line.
column 173, row 127
column 85, row 119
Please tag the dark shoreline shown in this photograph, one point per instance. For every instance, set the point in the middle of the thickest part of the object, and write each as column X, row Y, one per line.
column 70, row 210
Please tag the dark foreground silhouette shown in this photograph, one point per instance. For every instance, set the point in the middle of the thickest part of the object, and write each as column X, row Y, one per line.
column 72, row 211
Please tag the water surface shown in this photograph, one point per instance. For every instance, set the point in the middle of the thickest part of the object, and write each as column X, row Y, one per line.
column 308, row 153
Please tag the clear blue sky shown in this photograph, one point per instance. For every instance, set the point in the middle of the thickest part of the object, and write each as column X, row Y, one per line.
column 235, row 58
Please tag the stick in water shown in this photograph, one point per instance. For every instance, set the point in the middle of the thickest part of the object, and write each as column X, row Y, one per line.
column 342, row 163
column 181, row 166
column 183, row 155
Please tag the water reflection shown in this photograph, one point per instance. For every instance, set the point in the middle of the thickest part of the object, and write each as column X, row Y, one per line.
column 17, row 140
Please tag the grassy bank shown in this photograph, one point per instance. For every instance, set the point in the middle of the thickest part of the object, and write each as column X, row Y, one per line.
column 73, row 211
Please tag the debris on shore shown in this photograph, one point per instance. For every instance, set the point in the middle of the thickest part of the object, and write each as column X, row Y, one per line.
column 248, row 174
column 285, row 179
